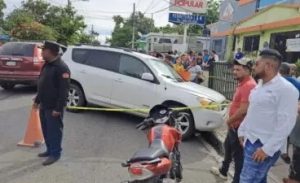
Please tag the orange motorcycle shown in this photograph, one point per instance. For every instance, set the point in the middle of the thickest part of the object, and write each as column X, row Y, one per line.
column 161, row 159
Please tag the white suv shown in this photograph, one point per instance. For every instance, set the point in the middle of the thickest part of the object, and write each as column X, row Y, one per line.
column 118, row 78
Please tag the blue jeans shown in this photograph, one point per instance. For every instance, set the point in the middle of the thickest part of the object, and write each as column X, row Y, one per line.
column 52, row 128
column 254, row 172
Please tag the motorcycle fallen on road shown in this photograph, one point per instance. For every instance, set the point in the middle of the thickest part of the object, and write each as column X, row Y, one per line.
column 160, row 161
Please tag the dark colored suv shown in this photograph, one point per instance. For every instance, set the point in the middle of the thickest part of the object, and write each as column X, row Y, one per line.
column 20, row 63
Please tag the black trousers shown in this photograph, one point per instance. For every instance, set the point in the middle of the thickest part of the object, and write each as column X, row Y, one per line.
column 52, row 128
column 233, row 151
column 295, row 165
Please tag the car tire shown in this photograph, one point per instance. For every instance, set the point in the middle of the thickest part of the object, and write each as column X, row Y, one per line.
column 76, row 98
column 7, row 86
column 186, row 122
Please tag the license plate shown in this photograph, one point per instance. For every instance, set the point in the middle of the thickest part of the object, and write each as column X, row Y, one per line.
column 11, row 63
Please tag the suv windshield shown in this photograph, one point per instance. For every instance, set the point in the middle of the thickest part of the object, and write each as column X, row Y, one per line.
column 17, row 49
column 165, row 70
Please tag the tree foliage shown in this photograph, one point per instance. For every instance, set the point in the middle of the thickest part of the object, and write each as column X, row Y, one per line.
column 213, row 11
column 28, row 31
column 122, row 33
column 59, row 23
column 2, row 7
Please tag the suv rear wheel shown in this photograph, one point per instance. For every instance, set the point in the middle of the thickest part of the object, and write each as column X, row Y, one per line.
column 7, row 86
column 75, row 97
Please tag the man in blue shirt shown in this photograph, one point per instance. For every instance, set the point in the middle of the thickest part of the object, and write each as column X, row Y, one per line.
column 285, row 69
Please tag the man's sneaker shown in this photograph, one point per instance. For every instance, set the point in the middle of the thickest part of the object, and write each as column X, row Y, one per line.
column 216, row 171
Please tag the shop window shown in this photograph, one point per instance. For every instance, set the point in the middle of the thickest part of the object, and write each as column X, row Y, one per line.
column 217, row 46
column 251, row 43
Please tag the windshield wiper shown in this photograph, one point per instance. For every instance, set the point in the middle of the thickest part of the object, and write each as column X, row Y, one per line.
column 167, row 76
column 176, row 79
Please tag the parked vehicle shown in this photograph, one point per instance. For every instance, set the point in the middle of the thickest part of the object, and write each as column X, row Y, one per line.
column 119, row 78
column 20, row 63
column 161, row 160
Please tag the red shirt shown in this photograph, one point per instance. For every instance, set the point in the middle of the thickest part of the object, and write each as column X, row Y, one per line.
column 241, row 95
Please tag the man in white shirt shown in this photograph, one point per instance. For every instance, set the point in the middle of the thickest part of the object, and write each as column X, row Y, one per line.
column 270, row 118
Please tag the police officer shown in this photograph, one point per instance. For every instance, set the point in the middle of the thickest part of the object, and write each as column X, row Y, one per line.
column 53, row 86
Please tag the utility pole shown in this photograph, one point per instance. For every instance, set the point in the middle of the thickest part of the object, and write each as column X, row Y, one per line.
column 133, row 27
column 186, row 26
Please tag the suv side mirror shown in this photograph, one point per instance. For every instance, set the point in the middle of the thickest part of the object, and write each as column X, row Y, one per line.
column 147, row 77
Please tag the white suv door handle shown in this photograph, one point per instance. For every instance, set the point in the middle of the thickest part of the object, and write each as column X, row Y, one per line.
column 119, row 80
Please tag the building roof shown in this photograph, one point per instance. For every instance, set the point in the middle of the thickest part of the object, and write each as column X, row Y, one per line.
column 259, row 21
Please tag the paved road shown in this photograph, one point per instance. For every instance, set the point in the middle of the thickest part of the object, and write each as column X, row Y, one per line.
column 95, row 144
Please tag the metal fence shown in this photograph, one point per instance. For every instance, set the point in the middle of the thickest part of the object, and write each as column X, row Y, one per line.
column 221, row 79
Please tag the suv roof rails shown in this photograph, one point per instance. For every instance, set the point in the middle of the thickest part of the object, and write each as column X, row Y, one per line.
column 106, row 46
column 26, row 41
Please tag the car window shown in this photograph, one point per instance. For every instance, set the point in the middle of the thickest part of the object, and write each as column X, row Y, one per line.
column 164, row 40
column 80, row 55
column 17, row 49
column 165, row 70
column 103, row 59
column 133, row 67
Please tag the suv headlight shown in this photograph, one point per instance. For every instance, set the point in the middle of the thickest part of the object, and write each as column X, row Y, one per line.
column 209, row 104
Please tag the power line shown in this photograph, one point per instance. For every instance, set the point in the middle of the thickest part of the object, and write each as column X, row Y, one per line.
column 164, row 9
column 151, row 4
column 138, row 3
column 105, row 12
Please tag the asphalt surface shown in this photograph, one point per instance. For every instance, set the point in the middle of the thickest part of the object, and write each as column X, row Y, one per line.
column 95, row 144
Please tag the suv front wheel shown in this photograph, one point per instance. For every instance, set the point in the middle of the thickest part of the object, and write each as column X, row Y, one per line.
column 75, row 97
column 186, row 122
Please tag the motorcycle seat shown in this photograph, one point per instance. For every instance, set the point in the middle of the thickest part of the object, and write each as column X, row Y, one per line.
column 156, row 150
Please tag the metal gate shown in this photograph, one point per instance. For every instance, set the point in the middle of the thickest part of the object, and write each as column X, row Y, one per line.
column 221, row 79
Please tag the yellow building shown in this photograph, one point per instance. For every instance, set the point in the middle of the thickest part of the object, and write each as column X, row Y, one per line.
column 277, row 27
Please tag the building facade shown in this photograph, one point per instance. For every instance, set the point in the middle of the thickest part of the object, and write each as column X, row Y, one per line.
column 225, row 39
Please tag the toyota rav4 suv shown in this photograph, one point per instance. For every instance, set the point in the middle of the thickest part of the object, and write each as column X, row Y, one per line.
column 118, row 78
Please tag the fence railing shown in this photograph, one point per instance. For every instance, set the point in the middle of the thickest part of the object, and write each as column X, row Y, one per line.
column 221, row 79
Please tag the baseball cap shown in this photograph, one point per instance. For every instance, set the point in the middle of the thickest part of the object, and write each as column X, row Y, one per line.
column 245, row 61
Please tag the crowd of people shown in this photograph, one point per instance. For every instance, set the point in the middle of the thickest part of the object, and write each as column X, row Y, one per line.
column 190, row 66
column 262, row 117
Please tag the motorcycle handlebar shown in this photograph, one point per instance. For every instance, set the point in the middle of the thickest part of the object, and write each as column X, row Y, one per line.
column 139, row 125
column 143, row 125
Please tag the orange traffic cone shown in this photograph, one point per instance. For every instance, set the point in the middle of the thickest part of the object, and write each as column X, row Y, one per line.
column 33, row 136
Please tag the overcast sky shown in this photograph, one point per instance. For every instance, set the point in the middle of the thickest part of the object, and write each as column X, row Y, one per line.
column 100, row 12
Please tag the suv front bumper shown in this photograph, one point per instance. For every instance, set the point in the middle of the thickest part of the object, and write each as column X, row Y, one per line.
column 208, row 120
column 28, row 80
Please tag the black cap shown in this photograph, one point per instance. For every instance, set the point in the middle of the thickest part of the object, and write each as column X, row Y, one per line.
column 53, row 46
column 271, row 52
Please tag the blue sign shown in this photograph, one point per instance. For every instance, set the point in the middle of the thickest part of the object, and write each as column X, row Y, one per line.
column 266, row 3
column 186, row 19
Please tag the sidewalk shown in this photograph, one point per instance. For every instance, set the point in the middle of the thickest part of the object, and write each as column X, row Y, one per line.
column 279, row 171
